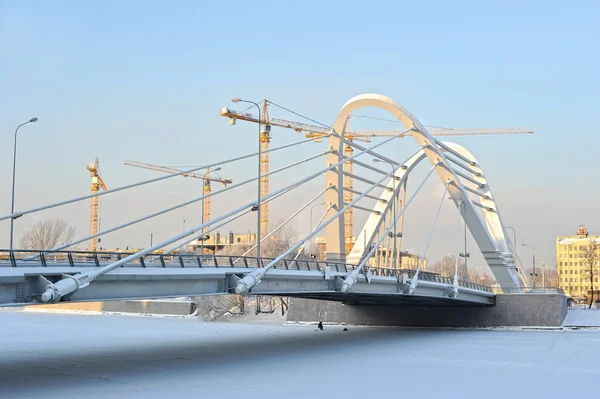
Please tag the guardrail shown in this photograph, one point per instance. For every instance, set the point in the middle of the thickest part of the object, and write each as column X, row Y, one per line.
column 22, row 258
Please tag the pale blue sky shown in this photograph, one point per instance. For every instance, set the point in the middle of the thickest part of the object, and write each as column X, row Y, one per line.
column 144, row 80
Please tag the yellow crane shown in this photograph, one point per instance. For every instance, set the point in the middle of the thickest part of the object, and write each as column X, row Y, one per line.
column 97, row 184
column 205, row 177
column 313, row 131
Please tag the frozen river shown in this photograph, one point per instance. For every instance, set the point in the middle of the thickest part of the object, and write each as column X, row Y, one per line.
column 45, row 355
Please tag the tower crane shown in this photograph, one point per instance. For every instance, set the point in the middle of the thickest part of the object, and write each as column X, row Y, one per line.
column 97, row 184
column 205, row 177
column 317, row 132
column 265, row 140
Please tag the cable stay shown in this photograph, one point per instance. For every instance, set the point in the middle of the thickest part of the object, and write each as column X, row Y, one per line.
column 99, row 193
column 415, row 279
column 283, row 224
column 250, row 280
column 71, row 284
column 352, row 277
column 218, row 226
column 312, row 231
column 181, row 205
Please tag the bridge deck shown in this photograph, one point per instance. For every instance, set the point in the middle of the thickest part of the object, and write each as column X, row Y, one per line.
column 191, row 275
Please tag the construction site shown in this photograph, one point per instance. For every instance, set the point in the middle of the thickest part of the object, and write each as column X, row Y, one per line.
column 238, row 243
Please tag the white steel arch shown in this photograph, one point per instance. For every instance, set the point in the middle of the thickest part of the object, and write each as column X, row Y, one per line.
column 487, row 228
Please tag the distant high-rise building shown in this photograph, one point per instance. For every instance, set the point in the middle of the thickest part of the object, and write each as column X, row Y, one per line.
column 571, row 264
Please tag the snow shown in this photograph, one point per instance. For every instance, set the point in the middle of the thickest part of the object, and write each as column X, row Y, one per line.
column 583, row 317
column 60, row 355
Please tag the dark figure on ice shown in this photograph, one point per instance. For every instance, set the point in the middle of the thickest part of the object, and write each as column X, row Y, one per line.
column 320, row 325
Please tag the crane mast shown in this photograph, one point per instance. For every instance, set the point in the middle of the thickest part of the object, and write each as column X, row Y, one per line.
column 348, row 197
column 206, row 203
column 97, row 184
column 317, row 132
column 265, row 143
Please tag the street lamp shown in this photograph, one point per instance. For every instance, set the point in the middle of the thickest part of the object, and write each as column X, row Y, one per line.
column 461, row 207
column 238, row 100
column 12, row 207
column 514, row 235
column 311, row 223
column 311, row 209
column 534, row 274
column 465, row 254
column 394, row 235
column 203, row 238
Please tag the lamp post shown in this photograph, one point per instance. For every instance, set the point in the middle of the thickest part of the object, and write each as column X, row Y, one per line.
column 534, row 274
column 206, row 181
column 543, row 275
column 461, row 206
column 237, row 100
column 394, row 235
column 514, row 235
column 465, row 255
column 12, row 206
column 311, row 209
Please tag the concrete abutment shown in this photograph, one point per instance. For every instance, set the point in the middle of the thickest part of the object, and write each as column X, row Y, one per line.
column 529, row 309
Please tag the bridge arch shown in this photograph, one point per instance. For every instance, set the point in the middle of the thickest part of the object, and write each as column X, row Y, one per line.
column 487, row 228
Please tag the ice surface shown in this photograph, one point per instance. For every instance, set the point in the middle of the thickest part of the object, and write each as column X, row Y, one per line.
column 46, row 355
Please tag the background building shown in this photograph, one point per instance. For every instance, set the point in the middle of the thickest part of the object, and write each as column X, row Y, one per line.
column 573, row 269
column 380, row 258
column 218, row 242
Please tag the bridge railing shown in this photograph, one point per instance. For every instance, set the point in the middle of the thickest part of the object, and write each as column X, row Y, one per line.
column 23, row 258
column 438, row 278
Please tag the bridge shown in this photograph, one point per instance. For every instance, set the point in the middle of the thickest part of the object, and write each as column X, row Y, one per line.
column 359, row 276
column 189, row 275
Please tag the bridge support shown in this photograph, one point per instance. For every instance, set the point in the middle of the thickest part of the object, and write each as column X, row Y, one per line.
column 534, row 309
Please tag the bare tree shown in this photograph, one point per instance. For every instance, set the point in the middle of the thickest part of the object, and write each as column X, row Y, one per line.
column 279, row 242
column 211, row 308
column 233, row 250
column 447, row 265
column 551, row 277
column 590, row 256
column 534, row 278
column 47, row 234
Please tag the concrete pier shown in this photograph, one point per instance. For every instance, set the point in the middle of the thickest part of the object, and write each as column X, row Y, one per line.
column 529, row 309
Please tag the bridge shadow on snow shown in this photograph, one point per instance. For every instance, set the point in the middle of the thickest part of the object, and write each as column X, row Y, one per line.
column 189, row 354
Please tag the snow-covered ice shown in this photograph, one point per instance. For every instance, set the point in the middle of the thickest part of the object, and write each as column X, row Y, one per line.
column 45, row 355
column 581, row 316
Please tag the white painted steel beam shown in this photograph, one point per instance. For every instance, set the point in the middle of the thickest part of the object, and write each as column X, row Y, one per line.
column 486, row 228
column 18, row 284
